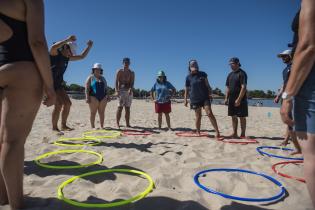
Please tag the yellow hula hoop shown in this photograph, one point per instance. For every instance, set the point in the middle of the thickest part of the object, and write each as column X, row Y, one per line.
column 105, row 205
column 115, row 134
column 60, row 140
column 37, row 159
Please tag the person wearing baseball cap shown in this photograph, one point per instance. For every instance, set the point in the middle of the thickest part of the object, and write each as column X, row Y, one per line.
column 125, row 79
column 286, row 57
column 61, row 53
column 96, row 94
column 235, row 97
column 161, row 94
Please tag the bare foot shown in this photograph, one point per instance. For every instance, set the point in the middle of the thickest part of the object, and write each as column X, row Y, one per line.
column 66, row 128
column 233, row 136
column 128, row 126
column 296, row 152
column 219, row 137
column 284, row 143
column 58, row 132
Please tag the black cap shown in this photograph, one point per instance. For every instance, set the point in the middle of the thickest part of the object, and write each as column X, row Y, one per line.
column 235, row 60
column 126, row 60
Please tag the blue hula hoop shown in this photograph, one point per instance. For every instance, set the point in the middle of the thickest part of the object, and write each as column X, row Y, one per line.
column 259, row 149
column 274, row 198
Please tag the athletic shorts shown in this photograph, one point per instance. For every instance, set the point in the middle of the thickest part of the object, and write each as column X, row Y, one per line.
column 124, row 98
column 201, row 104
column 163, row 108
column 239, row 111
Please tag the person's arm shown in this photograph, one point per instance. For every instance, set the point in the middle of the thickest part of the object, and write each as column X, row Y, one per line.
column 243, row 79
column 152, row 93
column 304, row 57
column 117, row 82
column 87, row 89
column 209, row 88
column 84, row 53
column 186, row 96
column 132, row 82
column 54, row 48
column 37, row 41
column 277, row 99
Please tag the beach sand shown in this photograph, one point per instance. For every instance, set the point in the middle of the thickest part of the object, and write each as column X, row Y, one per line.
column 171, row 161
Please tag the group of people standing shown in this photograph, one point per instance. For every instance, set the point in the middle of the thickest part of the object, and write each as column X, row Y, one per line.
column 28, row 71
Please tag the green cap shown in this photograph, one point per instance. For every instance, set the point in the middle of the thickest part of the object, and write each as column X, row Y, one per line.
column 161, row 74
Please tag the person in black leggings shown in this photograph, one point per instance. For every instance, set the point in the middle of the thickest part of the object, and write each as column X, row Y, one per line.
column 24, row 77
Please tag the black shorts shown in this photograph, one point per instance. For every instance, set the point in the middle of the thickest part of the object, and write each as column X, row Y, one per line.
column 240, row 111
column 201, row 104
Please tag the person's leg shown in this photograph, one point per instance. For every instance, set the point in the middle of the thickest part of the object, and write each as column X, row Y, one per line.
column 212, row 119
column 118, row 115
column 295, row 143
column 65, row 110
column 307, row 143
column 285, row 142
column 56, row 112
column 3, row 192
column 198, row 119
column 168, row 120
column 235, row 125
column 160, row 120
column 101, row 111
column 16, row 123
column 243, row 126
column 94, row 104
column 127, row 116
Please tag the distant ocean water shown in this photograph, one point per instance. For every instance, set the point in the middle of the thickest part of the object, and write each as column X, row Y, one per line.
column 254, row 102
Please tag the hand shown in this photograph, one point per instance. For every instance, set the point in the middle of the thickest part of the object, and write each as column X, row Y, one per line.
column 130, row 91
column 186, row 103
column 49, row 96
column 226, row 101
column 285, row 111
column 237, row 103
column 72, row 38
column 276, row 100
column 88, row 100
column 90, row 43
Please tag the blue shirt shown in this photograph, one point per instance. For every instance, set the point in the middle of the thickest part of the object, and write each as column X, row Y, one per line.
column 198, row 90
column 162, row 91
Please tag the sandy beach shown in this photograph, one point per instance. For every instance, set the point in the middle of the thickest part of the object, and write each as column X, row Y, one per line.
column 170, row 160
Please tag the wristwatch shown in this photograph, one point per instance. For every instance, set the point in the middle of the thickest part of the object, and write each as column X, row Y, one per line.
column 286, row 96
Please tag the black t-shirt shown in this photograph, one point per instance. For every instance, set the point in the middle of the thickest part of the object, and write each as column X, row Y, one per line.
column 286, row 75
column 234, row 82
column 198, row 90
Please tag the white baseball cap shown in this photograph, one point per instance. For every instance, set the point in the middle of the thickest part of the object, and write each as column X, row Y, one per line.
column 97, row 66
column 286, row 52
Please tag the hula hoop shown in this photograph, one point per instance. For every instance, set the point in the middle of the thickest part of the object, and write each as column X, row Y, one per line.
column 136, row 133
column 274, row 168
column 115, row 134
column 37, row 159
column 106, row 205
column 274, row 198
column 60, row 140
column 259, row 150
column 192, row 134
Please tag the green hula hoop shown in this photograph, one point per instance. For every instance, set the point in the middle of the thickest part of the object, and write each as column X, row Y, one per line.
column 60, row 140
column 115, row 134
column 105, row 205
column 37, row 159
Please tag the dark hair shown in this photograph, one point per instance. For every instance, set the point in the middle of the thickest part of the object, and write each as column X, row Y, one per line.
column 193, row 60
column 92, row 72
column 126, row 60
column 158, row 81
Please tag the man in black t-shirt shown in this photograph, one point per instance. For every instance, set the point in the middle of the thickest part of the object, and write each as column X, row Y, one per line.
column 235, row 96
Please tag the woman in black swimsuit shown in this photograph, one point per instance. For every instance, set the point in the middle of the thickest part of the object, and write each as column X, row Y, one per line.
column 24, row 74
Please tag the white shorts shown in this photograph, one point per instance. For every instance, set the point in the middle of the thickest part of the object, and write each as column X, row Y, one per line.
column 124, row 98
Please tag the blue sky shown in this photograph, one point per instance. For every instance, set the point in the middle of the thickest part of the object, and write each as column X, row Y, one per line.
column 165, row 34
